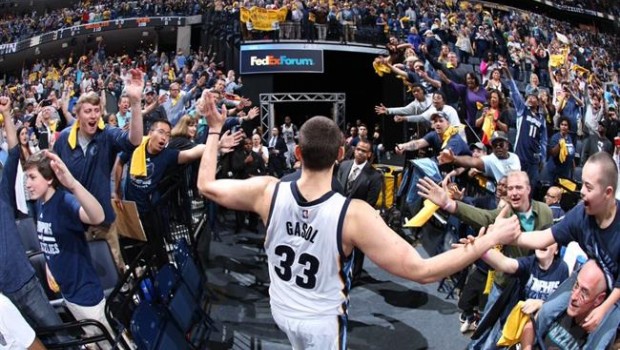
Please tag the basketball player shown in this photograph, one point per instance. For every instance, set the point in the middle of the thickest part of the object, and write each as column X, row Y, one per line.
column 311, row 232
column 290, row 135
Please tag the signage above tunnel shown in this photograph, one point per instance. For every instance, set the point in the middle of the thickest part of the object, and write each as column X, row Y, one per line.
column 281, row 61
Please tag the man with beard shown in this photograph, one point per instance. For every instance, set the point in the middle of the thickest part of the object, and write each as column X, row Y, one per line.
column 360, row 180
column 495, row 165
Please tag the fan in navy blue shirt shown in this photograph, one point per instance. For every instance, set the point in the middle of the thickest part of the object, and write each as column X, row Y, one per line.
column 552, row 199
column 559, row 165
column 531, row 141
column 594, row 224
column 539, row 275
column 62, row 215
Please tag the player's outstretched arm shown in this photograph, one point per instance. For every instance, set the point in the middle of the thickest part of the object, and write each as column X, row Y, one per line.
column 365, row 229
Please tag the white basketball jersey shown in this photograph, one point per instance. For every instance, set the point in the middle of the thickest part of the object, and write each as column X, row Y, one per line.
column 309, row 272
column 288, row 133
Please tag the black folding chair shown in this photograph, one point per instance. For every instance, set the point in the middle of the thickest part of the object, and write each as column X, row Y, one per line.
column 28, row 234
column 104, row 265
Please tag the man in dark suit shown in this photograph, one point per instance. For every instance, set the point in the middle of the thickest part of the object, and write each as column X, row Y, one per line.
column 360, row 181
column 277, row 149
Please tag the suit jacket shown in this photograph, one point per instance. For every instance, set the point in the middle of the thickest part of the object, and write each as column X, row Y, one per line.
column 366, row 186
column 280, row 146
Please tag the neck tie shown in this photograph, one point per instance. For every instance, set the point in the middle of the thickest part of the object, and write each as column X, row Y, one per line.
column 352, row 176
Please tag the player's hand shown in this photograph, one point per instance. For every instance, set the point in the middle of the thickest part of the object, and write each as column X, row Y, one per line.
column 206, row 107
column 505, row 229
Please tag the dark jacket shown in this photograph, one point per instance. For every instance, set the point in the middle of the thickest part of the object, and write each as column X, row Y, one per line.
column 366, row 186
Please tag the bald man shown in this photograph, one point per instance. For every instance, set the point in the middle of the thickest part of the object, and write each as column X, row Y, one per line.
column 566, row 329
column 553, row 198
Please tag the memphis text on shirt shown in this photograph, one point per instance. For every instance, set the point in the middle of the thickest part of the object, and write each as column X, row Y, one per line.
column 46, row 238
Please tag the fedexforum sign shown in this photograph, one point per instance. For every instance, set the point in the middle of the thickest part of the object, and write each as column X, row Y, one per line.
column 281, row 61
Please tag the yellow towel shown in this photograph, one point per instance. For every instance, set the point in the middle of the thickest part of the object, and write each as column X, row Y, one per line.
column 74, row 129
column 568, row 184
column 453, row 130
column 423, row 215
column 489, row 283
column 482, row 181
column 513, row 328
column 138, row 159
column 488, row 127
column 380, row 68
column 563, row 151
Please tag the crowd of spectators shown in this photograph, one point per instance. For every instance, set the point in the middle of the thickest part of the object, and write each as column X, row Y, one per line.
column 604, row 6
column 536, row 94
column 15, row 27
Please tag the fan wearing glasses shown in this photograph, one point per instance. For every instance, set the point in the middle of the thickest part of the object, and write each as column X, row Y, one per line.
column 552, row 199
column 566, row 331
column 495, row 165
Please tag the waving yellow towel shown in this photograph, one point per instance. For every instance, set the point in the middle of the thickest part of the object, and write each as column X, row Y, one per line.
column 74, row 130
column 380, row 68
column 563, row 151
column 513, row 328
column 138, row 159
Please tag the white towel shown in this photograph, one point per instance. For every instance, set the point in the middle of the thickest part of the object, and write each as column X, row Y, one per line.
column 20, row 194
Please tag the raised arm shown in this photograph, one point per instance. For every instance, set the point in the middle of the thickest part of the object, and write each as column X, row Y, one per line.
column 134, row 85
column 399, row 72
column 448, row 157
column 434, row 83
column 517, row 99
column 64, row 103
column 9, row 127
column 91, row 212
column 253, row 194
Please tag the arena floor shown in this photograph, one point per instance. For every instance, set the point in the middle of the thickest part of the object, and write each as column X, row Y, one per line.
column 386, row 312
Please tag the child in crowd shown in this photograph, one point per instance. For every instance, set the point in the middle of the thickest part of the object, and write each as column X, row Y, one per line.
column 62, row 215
column 539, row 275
